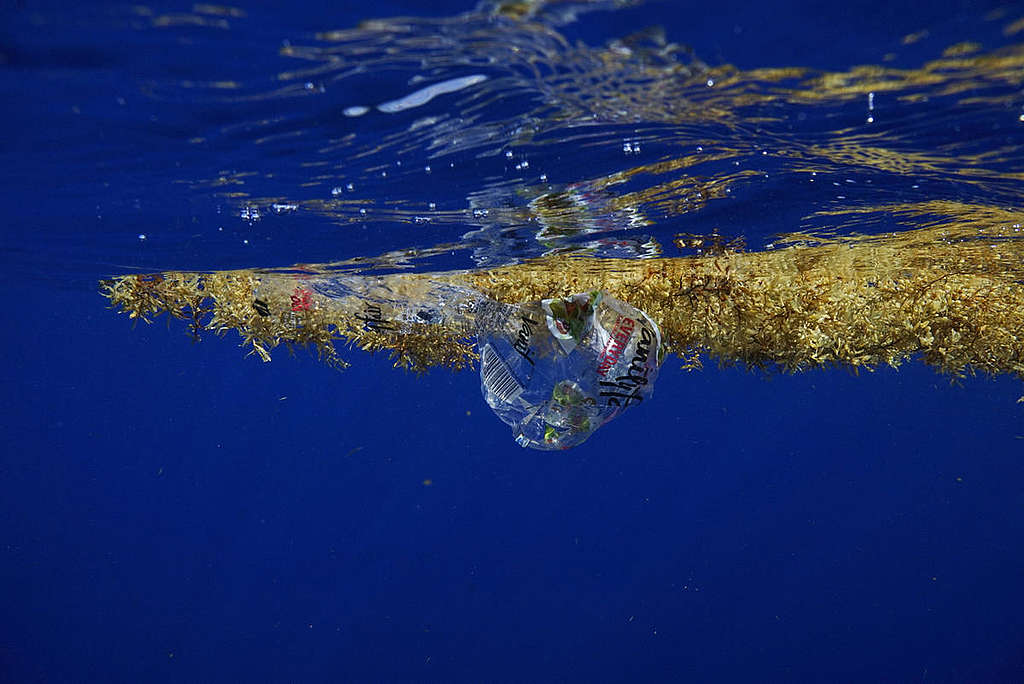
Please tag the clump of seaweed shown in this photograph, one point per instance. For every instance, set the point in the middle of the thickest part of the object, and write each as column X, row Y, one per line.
column 953, row 298
column 854, row 302
column 268, row 310
column 421, row 347
column 145, row 296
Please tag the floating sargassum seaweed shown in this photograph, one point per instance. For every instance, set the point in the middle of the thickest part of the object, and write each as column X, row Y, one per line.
column 953, row 298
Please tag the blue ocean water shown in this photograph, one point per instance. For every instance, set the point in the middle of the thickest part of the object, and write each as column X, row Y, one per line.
column 172, row 511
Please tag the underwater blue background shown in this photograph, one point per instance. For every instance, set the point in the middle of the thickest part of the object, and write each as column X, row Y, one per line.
column 178, row 512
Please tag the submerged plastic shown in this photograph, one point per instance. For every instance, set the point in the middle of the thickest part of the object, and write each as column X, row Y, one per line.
column 558, row 369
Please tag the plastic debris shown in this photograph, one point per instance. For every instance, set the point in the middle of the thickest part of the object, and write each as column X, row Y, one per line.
column 558, row 369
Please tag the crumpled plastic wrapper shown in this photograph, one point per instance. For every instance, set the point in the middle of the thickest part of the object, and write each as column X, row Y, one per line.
column 558, row 369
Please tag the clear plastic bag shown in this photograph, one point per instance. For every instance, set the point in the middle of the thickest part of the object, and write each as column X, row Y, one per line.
column 558, row 369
